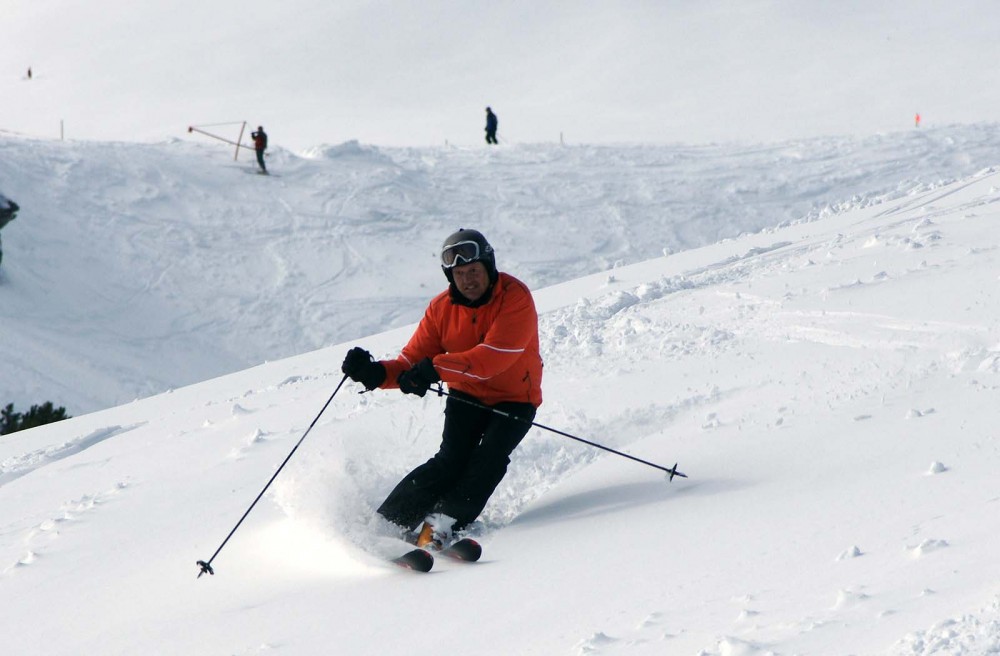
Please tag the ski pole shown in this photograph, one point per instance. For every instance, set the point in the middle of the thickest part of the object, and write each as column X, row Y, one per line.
column 671, row 471
column 206, row 567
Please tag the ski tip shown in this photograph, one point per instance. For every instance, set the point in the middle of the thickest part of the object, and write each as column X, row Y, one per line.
column 466, row 549
column 416, row 560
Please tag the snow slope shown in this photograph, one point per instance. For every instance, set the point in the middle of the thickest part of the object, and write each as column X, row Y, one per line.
column 829, row 386
column 802, row 311
column 166, row 264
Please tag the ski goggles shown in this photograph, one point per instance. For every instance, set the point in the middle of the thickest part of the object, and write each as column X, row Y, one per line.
column 464, row 252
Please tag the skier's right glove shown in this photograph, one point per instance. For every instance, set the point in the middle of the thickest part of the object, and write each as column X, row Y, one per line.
column 362, row 368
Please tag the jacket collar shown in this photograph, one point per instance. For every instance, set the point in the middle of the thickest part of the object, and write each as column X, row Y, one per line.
column 458, row 299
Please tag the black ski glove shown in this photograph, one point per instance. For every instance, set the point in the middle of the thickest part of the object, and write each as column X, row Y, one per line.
column 418, row 379
column 362, row 368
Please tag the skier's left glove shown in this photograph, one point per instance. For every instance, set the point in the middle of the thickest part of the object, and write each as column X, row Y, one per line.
column 418, row 379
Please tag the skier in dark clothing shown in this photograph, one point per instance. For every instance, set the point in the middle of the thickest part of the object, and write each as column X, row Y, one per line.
column 480, row 336
column 491, row 126
column 8, row 210
column 260, row 145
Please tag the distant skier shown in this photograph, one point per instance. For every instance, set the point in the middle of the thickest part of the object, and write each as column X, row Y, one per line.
column 8, row 210
column 491, row 126
column 480, row 336
column 260, row 145
column 29, row 72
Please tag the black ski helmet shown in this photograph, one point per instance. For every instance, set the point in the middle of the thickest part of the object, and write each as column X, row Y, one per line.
column 466, row 247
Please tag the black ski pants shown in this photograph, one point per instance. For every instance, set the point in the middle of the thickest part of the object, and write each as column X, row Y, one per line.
column 475, row 450
column 260, row 159
column 491, row 137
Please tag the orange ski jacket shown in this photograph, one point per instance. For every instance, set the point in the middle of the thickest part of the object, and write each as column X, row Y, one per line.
column 490, row 352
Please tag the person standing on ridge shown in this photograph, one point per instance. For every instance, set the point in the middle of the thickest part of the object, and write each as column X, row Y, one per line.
column 491, row 126
column 260, row 145
column 480, row 336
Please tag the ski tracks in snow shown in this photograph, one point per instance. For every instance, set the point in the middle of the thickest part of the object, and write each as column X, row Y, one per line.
column 233, row 272
column 41, row 536
column 632, row 327
column 44, row 535
column 15, row 467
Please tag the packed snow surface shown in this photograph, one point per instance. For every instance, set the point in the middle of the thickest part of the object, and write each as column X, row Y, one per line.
column 825, row 371
column 163, row 265
column 747, row 259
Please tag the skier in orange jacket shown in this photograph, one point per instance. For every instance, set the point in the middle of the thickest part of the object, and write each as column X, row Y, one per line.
column 480, row 336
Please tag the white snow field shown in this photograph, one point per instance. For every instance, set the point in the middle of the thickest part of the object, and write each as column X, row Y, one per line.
column 746, row 257
column 162, row 265
column 830, row 387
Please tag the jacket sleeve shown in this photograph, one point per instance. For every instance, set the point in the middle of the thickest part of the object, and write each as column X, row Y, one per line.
column 424, row 343
column 505, row 342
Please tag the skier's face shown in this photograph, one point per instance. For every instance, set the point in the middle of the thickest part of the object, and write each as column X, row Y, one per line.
column 472, row 280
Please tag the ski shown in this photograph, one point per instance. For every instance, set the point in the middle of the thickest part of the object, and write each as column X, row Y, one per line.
column 465, row 550
column 417, row 560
